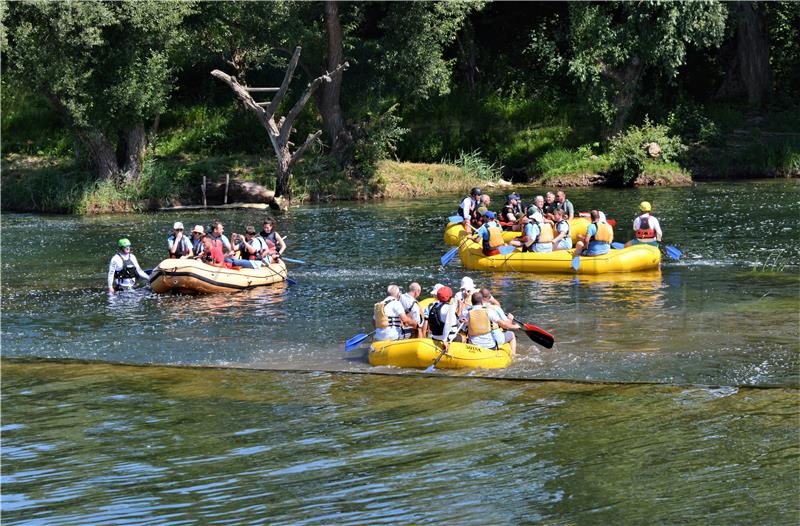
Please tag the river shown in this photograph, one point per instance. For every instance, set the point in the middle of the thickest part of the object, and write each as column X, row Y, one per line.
column 669, row 397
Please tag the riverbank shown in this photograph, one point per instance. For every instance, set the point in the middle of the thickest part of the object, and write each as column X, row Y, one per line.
column 56, row 185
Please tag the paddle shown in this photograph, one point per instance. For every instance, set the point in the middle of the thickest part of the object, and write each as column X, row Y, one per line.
column 539, row 335
column 448, row 257
column 673, row 252
column 355, row 341
column 447, row 342
column 576, row 263
column 455, row 219
column 507, row 249
column 617, row 245
column 290, row 281
column 290, row 260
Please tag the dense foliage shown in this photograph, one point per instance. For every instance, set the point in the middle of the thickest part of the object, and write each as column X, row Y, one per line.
column 540, row 88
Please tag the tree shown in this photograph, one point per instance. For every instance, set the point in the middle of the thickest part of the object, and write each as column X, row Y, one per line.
column 748, row 72
column 615, row 44
column 105, row 66
column 279, row 132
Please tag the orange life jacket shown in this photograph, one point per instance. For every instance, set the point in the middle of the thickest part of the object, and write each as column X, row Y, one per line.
column 545, row 233
column 645, row 230
column 604, row 234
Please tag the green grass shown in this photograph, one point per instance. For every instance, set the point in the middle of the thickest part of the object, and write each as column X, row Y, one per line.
column 561, row 162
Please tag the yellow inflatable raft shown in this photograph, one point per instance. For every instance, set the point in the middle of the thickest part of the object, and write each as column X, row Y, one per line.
column 454, row 232
column 632, row 259
column 192, row 276
column 419, row 353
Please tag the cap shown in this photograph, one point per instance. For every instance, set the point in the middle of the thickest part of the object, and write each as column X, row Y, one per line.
column 482, row 210
column 124, row 242
column 199, row 229
column 444, row 293
column 601, row 216
column 467, row 283
column 249, row 229
column 537, row 216
column 644, row 206
column 177, row 226
column 436, row 288
column 489, row 214
column 513, row 196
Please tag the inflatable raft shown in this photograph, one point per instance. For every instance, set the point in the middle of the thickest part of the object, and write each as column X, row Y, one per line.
column 192, row 277
column 454, row 232
column 419, row 353
column 632, row 259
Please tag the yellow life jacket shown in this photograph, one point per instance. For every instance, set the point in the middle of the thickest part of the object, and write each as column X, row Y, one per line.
column 495, row 237
column 545, row 233
column 605, row 234
column 382, row 321
column 479, row 322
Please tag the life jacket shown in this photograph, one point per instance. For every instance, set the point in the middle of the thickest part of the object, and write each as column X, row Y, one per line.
column 645, row 230
column 495, row 236
column 563, row 222
column 479, row 322
column 183, row 249
column 128, row 270
column 545, row 234
column 382, row 321
column 604, row 234
column 435, row 323
column 244, row 254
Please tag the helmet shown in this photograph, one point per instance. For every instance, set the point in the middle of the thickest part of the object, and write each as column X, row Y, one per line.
column 644, row 206
column 475, row 191
column 444, row 294
column 124, row 242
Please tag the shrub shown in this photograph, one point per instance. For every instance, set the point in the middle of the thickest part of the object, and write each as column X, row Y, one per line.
column 376, row 140
column 628, row 150
column 474, row 166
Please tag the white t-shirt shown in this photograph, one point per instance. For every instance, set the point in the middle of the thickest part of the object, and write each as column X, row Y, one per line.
column 392, row 309
column 466, row 207
column 653, row 224
column 410, row 303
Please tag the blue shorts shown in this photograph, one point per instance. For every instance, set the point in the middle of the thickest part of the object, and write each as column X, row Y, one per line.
column 596, row 252
column 651, row 243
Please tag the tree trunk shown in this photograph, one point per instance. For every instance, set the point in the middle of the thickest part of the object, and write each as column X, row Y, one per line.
column 100, row 152
column 466, row 48
column 748, row 73
column 136, row 147
column 283, row 176
column 330, row 93
column 627, row 84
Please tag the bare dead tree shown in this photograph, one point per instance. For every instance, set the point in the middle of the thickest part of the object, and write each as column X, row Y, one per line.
column 280, row 131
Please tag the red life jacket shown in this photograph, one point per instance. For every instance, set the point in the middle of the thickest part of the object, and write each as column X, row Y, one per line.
column 645, row 231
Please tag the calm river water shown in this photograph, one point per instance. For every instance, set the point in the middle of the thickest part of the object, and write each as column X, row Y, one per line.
column 670, row 397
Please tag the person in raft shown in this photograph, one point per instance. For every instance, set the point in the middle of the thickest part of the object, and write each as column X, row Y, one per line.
column 565, row 204
column 389, row 316
column 562, row 241
column 646, row 229
column 249, row 247
column 492, row 235
column 212, row 253
column 410, row 301
column 123, row 269
column 198, row 232
column 468, row 209
column 440, row 318
column 178, row 245
column 511, row 212
column 483, row 320
column 598, row 238
column 274, row 244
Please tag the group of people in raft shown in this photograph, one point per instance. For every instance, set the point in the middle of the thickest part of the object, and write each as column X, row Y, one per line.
column 544, row 225
column 250, row 250
column 476, row 311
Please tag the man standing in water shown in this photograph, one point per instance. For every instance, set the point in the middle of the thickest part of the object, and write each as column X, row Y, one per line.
column 123, row 268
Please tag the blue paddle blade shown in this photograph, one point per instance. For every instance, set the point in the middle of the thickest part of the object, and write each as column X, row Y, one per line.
column 447, row 258
column 290, row 281
column 617, row 246
column 673, row 252
column 455, row 219
column 290, row 260
column 430, row 369
column 354, row 342
column 507, row 249
column 576, row 263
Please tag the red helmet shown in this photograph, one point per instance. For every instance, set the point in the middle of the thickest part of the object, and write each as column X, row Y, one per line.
column 444, row 294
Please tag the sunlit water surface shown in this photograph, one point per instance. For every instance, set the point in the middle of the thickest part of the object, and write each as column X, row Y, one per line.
column 101, row 443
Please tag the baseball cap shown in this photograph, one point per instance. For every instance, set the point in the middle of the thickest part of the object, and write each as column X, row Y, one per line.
column 467, row 283
column 436, row 288
column 536, row 216
column 444, row 293
column 177, row 226
column 489, row 214
column 199, row 229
